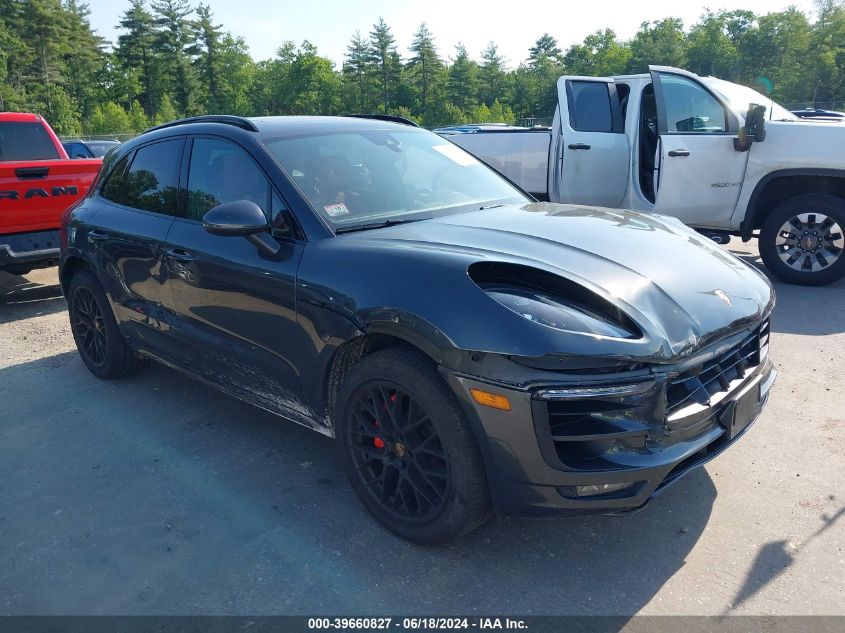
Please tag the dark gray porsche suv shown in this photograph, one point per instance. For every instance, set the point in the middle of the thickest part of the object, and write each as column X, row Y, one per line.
column 470, row 348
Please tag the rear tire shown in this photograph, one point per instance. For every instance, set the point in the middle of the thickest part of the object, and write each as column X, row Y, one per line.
column 802, row 241
column 98, row 339
column 409, row 451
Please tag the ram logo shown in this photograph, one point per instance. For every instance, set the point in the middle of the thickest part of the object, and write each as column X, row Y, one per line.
column 40, row 192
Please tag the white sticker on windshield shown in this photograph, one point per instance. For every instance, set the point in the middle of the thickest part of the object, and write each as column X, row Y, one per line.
column 336, row 209
column 456, row 154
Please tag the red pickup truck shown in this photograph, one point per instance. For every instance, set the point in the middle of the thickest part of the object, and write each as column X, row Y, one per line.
column 37, row 183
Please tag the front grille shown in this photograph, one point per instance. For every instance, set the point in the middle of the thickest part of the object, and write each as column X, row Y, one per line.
column 705, row 385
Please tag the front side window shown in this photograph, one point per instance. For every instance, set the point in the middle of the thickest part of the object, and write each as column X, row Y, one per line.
column 222, row 172
column 590, row 103
column 376, row 175
column 690, row 108
column 152, row 180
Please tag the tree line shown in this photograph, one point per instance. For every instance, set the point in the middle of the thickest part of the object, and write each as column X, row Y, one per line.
column 173, row 59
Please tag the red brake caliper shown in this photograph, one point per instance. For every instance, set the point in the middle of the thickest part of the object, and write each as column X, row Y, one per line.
column 377, row 441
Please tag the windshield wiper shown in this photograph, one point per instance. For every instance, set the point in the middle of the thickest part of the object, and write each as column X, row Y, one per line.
column 491, row 206
column 375, row 225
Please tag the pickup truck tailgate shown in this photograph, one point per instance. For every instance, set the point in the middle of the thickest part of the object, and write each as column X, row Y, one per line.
column 33, row 194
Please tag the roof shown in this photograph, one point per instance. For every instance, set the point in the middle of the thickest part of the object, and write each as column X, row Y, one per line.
column 20, row 117
column 307, row 125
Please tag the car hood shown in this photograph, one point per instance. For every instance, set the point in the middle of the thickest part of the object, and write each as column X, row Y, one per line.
column 678, row 286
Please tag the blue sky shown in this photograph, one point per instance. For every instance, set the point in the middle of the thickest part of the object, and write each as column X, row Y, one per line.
column 265, row 24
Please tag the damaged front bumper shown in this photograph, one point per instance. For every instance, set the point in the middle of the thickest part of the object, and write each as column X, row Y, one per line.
column 610, row 445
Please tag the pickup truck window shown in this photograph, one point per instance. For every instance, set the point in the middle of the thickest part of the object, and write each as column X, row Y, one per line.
column 25, row 141
column 690, row 108
column 151, row 182
column 590, row 110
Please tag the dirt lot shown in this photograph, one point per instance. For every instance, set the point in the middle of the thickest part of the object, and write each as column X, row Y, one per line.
column 158, row 495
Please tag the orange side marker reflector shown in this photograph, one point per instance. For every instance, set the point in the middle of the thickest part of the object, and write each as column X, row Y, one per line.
column 488, row 399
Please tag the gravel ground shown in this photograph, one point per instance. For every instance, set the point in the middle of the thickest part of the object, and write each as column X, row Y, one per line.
column 159, row 495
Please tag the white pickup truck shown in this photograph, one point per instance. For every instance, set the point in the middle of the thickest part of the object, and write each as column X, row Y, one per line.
column 716, row 155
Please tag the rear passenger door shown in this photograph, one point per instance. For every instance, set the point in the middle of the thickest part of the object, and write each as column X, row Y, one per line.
column 138, row 201
column 590, row 150
column 236, row 308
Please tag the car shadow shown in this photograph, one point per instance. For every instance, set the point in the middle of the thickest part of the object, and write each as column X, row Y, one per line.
column 160, row 495
column 21, row 298
column 810, row 310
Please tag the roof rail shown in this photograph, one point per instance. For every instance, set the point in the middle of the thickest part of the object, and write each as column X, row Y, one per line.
column 385, row 117
column 228, row 119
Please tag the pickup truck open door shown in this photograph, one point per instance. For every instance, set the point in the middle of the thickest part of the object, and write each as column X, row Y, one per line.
column 589, row 153
column 699, row 173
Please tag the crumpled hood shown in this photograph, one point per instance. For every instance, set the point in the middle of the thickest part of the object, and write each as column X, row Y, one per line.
column 682, row 289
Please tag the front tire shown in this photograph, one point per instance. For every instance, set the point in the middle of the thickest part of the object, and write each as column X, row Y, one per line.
column 802, row 240
column 102, row 347
column 409, row 451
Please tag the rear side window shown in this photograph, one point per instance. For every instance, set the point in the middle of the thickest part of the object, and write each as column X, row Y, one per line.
column 152, row 180
column 25, row 141
column 113, row 188
column 590, row 107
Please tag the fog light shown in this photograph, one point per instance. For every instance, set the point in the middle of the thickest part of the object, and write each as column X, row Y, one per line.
column 594, row 490
column 488, row 399
column 600, row 489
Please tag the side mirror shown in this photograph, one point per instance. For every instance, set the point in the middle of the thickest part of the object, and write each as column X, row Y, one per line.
column 242, row 218
column 239, row 218
column 754, row 129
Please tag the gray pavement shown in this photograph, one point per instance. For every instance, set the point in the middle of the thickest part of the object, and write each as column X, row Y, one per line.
column 159, row 495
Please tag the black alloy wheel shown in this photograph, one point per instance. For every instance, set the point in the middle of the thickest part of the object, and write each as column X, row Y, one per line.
column 397, row 452
column 101, row 344
column 89, row 327
column 409, row 450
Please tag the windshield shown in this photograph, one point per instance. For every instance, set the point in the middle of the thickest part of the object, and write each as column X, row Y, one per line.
column 740, row 97
column 374, row 176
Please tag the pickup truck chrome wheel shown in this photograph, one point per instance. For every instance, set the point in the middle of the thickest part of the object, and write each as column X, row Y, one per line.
column 809, row 242
column 410, row 453
column 802, row 240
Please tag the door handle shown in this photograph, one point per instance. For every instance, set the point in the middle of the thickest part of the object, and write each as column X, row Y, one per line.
column 578, row 146
column 678, row 152
column 31, row 173
column 179, row 255
column 97, row 236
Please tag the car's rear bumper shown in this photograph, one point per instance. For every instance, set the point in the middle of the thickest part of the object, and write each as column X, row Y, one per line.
column 39, row 249
column 532, row 473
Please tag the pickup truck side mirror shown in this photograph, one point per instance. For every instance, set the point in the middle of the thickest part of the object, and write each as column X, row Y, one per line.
column 242, row 218
column 754, row 129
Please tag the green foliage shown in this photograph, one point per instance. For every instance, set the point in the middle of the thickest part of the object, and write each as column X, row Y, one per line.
column 172, row 58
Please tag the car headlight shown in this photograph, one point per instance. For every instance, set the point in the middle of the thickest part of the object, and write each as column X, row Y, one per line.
column 550, row 311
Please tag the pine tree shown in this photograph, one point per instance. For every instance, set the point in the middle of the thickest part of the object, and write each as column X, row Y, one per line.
column 462, row 89
column 384, row 56
column 425, row 67
column 207, row 51
column 492, row 76
column 136, row 55
column 173, row 35
column 356, row 71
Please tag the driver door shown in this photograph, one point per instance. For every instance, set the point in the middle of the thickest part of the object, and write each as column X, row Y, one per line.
column 590, row 152
column 699, row 173
column 235, row 308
